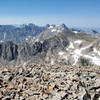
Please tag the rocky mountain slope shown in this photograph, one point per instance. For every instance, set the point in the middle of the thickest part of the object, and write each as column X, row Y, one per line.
column 56, row 44
column 49, row 82
column 57, row 64
column 19, row 33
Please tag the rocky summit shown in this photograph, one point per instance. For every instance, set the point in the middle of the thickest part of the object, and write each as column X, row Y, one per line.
column 52, row 62
column 49, row 82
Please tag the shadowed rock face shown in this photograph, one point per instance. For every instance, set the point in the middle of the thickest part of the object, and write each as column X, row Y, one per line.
column 40, row 49
column 10, row 51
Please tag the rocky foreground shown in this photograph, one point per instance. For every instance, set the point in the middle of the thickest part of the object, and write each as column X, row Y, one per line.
column 46, row 82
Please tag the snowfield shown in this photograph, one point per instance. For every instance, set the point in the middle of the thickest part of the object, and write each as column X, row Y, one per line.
column 78, row 41
column 76, row 53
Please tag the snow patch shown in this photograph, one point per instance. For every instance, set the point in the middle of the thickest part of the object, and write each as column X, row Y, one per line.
column 75, row 32
column 78, row 41
column 56, row 30
column 50, row 27
column 61, row 53
column 53, row 30
column 71, row 46
column 24, row 64
column 94, row 59
column 96, row 51
column 77, row 54
column 52, row 61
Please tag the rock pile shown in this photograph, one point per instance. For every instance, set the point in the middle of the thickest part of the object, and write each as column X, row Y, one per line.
column 46, row 82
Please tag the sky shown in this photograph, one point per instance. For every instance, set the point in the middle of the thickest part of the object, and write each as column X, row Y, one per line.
column 77, row 13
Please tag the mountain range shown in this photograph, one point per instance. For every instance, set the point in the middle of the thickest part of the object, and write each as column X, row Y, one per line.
column 50, row 44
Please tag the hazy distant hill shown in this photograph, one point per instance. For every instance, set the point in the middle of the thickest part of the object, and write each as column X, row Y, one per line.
column 18, row 34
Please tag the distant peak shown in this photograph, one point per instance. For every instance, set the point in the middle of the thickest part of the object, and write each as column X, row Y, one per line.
column 47, row 25
column 60, row 27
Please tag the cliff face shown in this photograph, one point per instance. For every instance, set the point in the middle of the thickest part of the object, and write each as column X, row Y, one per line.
column 10, row 51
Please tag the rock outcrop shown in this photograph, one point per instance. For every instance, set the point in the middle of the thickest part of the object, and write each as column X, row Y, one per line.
column 47, row 82
column 10, row 51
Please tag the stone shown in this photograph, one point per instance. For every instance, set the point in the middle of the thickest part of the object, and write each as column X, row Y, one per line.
column 1, row 95
column 6, row 98
column 50, row 83
column 96, row 96
column 87, row 96
column 11, row 85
